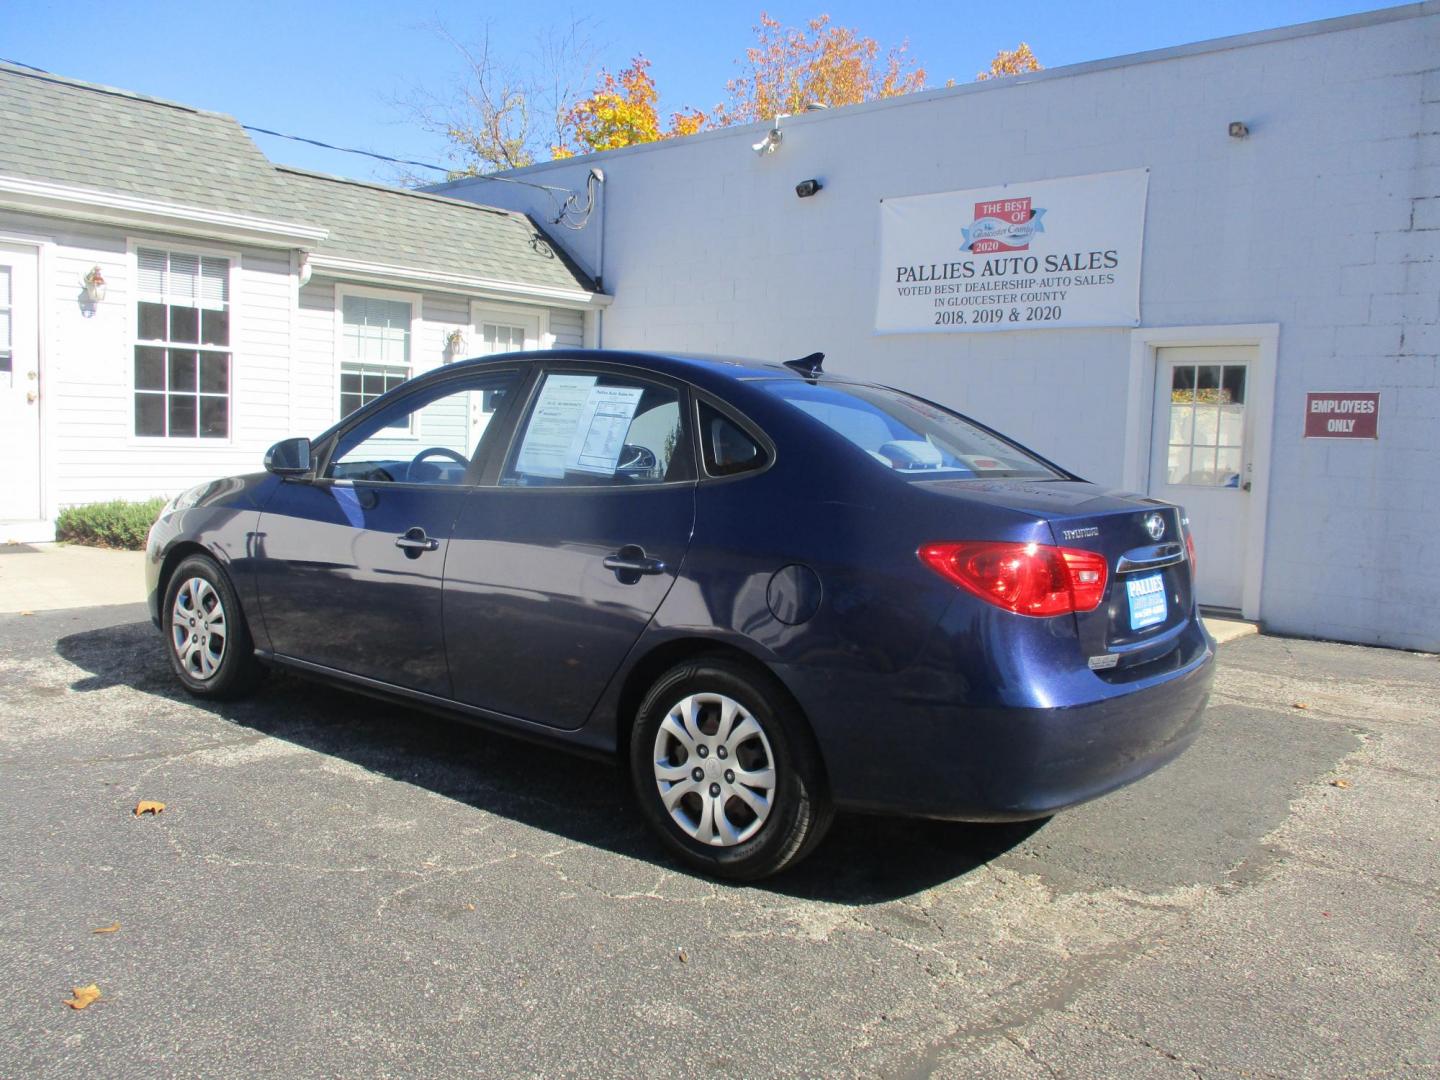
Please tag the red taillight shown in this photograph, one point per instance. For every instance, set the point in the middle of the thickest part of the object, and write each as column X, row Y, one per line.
column 1030, row 579
column 1190, row 550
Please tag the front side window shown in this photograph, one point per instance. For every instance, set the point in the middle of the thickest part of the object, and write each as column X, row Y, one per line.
column 597, row 430
column 182, row 345
column 374, row 349
column 429, row 437
column 913, row 437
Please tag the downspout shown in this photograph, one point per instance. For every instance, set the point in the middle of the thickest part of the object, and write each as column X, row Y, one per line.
column 598, row 175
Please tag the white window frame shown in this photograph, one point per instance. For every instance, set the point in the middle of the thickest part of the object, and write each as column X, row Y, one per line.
column 415, row 300
column 483, row 311
column 233, row 286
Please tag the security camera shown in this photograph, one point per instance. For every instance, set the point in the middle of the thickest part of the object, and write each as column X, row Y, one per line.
column 806, row 188
column 768, row 144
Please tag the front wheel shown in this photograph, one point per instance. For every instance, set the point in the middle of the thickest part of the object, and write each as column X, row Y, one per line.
column 206, row 637
column 725, row 771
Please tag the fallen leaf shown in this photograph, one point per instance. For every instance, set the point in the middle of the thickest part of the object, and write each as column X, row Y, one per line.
column 1299, row 705
column 148, row 806
column 1340, row 783
column 684, row 956
column 82, row 997
column 106, row 929
column 469, row 907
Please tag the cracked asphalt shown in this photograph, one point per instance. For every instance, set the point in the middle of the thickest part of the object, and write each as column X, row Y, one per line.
column 340, row 888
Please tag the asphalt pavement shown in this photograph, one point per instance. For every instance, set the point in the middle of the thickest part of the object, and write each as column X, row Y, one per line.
column 341, row 888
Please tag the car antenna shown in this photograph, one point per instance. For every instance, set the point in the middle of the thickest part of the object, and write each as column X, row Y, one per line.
column 809, row 366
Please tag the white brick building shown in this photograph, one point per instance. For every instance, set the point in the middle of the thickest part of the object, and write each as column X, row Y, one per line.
column 1304, row 252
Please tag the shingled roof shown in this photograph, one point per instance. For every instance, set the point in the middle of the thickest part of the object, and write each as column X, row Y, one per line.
column 62, row 131
column 80, row 135
column 401, row 228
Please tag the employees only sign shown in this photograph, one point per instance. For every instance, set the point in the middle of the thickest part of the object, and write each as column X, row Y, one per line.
column 1046, row 254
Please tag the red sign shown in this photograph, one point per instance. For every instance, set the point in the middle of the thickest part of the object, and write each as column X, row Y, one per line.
column 1342, row 415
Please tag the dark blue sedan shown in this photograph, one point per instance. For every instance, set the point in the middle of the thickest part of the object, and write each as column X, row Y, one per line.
column 773, row 591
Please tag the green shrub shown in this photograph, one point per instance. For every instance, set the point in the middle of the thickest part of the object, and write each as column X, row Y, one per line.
column 114, row 524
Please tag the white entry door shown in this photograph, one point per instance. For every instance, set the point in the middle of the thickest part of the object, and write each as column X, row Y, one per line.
column 19, row 386
column 500, row 330
column 1200, row 457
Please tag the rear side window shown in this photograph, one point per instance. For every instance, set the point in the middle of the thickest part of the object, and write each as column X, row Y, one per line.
column 908, row 435
column 728, row 448
column 597, row 430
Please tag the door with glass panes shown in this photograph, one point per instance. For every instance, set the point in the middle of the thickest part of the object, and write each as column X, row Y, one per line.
column 1200, row 457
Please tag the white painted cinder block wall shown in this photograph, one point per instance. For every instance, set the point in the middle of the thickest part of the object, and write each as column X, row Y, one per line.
column 1325, row 221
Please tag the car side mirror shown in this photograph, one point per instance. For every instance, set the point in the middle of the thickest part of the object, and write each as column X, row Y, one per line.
column 289, row 457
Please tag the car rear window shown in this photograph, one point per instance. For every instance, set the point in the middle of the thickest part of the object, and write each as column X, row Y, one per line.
column 907, row 435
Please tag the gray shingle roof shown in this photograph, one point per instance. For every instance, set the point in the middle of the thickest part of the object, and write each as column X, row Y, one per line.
column 63, row 131
column 397, row 227
column 67, row 132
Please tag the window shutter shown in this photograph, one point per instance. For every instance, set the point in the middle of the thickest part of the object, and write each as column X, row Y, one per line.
column 152, row 274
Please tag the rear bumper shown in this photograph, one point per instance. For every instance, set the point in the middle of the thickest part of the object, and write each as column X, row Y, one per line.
column 906, row 755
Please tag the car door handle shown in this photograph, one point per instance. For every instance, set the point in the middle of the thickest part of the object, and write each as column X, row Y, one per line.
column 630, row 561
column 414, row 541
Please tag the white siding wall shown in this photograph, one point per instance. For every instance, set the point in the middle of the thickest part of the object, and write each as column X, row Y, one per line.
column 316, row 390
column 90, row 450
column 1326, row 220
column 284, row 368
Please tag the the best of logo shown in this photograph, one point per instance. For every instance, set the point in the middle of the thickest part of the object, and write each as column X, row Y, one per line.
column 1003, row 225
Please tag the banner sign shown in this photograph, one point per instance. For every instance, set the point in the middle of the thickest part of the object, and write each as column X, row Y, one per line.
column 1342, row 416
column 1041, row 255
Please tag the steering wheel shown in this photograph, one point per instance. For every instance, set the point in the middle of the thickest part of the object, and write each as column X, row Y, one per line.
column 436, row 451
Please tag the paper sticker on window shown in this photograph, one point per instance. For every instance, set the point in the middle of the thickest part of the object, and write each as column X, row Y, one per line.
column 553, row 425
column 600, row 434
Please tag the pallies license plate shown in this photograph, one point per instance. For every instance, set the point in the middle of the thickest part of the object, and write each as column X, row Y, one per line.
column 1147, row 601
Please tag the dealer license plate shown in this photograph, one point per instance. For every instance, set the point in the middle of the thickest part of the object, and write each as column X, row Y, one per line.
column 1147, row 601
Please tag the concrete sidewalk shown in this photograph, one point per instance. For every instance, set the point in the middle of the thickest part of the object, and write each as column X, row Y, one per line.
column 48, row 577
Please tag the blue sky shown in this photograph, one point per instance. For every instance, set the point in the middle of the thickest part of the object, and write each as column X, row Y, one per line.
column 333, row 71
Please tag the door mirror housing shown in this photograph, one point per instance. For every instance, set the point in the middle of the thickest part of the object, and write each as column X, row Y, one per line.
column 289, row 457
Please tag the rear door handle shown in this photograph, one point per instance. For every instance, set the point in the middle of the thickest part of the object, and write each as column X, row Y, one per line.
column 630, row 562
column 414, row 541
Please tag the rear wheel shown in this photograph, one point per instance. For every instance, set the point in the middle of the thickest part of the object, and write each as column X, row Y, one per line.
column 207, row 639
column 725, row 771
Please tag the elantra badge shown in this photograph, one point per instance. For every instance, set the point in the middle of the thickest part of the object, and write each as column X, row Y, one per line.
column 1155, row 526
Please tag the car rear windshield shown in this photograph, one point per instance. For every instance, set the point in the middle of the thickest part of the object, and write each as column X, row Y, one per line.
column 910, row 436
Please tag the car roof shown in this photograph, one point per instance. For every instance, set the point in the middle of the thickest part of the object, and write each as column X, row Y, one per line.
column 679, row 365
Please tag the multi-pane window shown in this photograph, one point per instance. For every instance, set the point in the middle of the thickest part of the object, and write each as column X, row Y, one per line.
column 182, row 346
column 1207, row 424
column 375, row 349
column 7, row 356
column 498, row 338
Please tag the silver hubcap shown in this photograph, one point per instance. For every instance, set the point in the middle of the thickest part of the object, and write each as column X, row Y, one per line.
column 197, row 628
column 714, row 769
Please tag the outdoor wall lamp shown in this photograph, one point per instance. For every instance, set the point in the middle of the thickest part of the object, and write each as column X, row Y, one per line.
column 455, row 342
column 306, row 270
column 1238, row 129
column 806, row 188
column 94, row 285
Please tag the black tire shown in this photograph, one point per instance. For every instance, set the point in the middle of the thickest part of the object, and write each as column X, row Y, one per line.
column 212, row 657
column 798, row 809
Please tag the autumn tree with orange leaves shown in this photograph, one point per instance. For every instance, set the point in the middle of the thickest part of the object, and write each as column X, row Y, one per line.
column 1015, row 61
column 497, row 120
column 790, row 68
column 621, row 112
